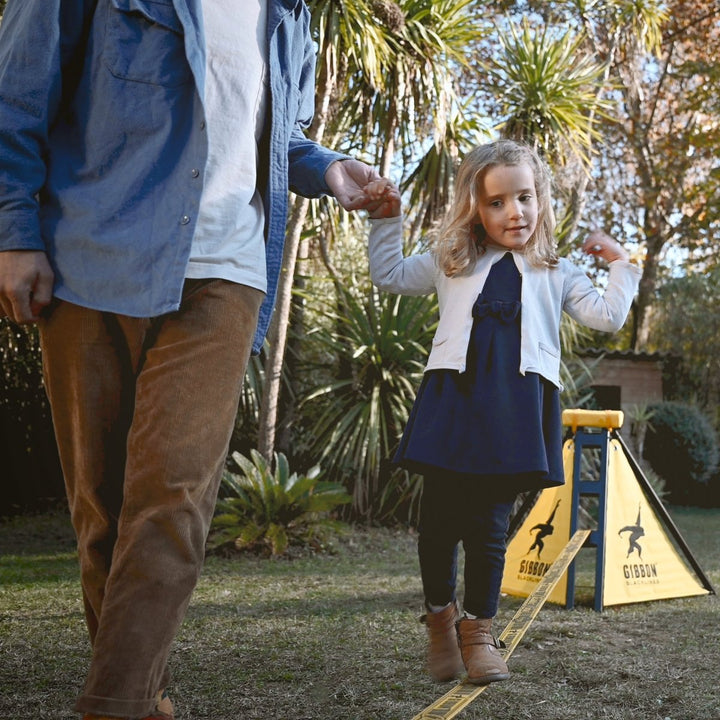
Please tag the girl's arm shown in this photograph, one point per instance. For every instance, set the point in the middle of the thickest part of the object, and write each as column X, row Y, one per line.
column 605, row 311
column 389, row 269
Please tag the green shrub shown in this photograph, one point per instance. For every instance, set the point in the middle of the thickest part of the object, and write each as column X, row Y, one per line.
column 682, row 448
column 266, row 510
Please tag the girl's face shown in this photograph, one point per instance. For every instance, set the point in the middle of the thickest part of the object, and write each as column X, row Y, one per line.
column 508, row 207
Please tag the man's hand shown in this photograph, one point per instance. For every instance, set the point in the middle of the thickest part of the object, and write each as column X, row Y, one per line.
column 347, row 180
column 26, row 283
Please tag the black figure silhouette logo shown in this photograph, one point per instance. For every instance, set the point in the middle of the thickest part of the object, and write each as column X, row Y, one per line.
column 543, row 530
column 636, row 531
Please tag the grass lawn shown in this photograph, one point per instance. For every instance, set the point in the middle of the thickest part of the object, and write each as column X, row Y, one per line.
column 337, row 637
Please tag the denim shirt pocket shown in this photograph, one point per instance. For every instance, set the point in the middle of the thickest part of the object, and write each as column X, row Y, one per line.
column 144, row 43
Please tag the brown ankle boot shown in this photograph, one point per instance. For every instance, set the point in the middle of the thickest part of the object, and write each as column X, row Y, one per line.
column 480, row 652
column 443, row 660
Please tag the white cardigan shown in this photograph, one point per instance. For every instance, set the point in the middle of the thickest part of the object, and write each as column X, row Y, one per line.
column 546, row 292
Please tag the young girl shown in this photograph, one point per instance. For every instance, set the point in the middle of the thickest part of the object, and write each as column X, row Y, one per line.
column 486, row 423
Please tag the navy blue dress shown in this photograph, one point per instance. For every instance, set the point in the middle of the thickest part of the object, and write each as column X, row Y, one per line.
column 490, row 421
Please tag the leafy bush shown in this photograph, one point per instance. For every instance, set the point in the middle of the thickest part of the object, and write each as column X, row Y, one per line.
column 682, row 448
column 270, row 510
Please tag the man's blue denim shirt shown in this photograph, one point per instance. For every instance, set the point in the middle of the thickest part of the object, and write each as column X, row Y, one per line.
column 103, row 143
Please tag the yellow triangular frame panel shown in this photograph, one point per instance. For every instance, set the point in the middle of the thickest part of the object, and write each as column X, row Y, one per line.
column 541, row 538
column 641, row 561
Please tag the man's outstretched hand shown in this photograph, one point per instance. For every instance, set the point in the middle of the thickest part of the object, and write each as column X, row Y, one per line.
column 347, row 179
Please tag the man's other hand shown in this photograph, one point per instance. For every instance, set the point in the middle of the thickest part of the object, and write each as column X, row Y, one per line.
column 26, row 283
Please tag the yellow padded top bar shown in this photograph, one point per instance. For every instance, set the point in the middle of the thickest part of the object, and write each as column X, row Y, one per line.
column 593, row 418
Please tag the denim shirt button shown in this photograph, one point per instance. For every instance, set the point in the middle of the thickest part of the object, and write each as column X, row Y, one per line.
column 202, row 124
column 185, row 219
column 195, row 172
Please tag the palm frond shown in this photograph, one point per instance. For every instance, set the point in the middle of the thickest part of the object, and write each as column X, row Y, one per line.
column 548, row 90
column 383, row 340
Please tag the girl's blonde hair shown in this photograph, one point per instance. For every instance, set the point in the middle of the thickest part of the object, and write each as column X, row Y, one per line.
column 460, row 241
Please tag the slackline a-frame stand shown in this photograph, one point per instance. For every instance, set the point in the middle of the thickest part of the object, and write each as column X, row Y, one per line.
column 640, row 554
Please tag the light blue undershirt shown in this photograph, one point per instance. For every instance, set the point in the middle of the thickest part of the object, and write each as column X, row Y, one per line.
column 229, row 238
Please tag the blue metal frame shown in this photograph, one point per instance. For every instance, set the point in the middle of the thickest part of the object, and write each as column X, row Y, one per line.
column 597, row 438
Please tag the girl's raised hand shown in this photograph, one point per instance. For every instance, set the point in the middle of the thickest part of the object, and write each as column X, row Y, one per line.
column 602, row 245
column 383, row 199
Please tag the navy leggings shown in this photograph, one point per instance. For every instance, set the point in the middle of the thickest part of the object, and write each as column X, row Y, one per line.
column 458, row 508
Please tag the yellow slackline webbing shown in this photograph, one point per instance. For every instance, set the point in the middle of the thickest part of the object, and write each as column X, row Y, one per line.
column 450, row 704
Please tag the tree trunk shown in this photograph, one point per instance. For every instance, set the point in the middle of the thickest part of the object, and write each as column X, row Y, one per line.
column 646, row 293
column 267, row 424
column 296, row 332
column 278, row 332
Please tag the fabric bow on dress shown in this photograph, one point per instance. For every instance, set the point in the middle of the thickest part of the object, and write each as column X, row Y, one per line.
column 505, row 311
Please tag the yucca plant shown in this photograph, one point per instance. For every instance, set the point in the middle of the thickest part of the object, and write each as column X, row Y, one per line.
column 270, row 509
column 548, row 89
column 380, row 340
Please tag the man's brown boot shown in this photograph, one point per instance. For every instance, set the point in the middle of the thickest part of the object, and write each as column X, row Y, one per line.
column 443, row 661
column 480, row 652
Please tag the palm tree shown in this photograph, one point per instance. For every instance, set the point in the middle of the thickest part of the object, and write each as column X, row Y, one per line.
column 338, row 27
column 383, row 75
column 549, row 90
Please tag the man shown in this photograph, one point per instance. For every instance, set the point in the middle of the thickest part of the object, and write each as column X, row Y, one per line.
column 147, row 147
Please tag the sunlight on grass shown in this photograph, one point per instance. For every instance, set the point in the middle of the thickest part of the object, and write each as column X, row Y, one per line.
column 42, row 570
column 333, row 636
